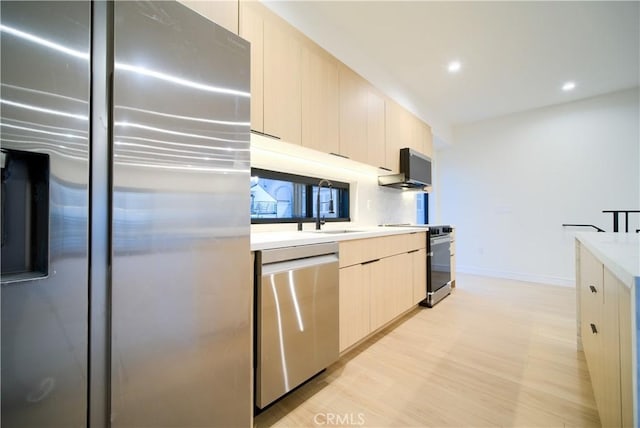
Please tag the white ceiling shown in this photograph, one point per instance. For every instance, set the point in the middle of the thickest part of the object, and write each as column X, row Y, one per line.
column 515, row 55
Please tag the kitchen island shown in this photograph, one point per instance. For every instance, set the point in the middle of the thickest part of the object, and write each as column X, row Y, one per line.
column 607, row 279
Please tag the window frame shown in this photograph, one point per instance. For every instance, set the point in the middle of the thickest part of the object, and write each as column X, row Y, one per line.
column 310, row 182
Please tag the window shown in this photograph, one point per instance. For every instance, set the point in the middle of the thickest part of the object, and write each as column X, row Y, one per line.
column 278, row 197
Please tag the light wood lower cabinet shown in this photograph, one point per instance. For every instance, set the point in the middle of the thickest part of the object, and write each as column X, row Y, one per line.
column 605, row 331
column 391, row 289
column 626, row 354
column 380, row 278
column 419, row 271
column 354, row 304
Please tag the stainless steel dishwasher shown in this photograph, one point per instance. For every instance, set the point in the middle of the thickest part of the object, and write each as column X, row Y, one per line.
column 296, row 317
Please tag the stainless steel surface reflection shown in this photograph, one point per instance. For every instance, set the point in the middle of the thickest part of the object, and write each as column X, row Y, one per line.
column 181, row 269
column 297, row 320
column 44, row 94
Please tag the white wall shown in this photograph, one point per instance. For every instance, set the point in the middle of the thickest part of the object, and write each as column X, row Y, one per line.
column 370, row 204
column 509, row 183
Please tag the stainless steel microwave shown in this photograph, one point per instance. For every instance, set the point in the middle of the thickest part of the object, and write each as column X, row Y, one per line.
column 415, row 171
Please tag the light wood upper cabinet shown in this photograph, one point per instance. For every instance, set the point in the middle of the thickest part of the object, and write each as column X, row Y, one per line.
column 282, row 80
column 403, row 129
column 375, row 128
column 320, row 100
column 399, row 132
column 353, row 115
column 251, row 29
column 427, row 138
column 222, row 12
column 303, row 95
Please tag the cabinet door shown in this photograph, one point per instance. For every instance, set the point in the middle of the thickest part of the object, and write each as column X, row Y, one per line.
column 251, row 29
column 353, row 115
column 427, row 140
column 391, row 288
column 222, row 12
column 320, row 101
column 399, row 133
column 591, row 307
column 380, row 284
column 419, row 271
column 354, row 304
column 402, row 289
column 610, row 404
column 282, row 80
column 626, row 353
column 375, row 129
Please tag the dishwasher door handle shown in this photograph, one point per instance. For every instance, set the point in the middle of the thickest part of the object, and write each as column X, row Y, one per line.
column 279, row 267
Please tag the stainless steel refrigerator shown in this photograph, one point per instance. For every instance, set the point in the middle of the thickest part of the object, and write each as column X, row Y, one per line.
column 126, row 288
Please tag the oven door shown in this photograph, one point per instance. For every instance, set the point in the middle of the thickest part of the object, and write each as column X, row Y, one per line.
column 440, row 262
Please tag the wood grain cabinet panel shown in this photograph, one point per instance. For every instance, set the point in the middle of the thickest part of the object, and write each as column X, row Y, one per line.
column 375, row 128
column 320, row 99
column 354, row 304
column 354, row 99
column 391, row 289
column 626, row 353
column 609, row 404
column 380, row 278
column 282, row 80
column 419, row 272
column 605, row 331
column 222, row 12
column 394, row 135
column 252, row 29
column 381, row 309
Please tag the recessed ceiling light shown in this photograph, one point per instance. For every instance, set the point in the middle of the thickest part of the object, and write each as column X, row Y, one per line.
column 454, row 66
column 568, row 86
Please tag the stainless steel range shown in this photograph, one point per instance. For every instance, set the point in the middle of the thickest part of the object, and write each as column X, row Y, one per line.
column 438, row 264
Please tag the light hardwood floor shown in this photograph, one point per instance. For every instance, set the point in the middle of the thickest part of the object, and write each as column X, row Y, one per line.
column 495, row 353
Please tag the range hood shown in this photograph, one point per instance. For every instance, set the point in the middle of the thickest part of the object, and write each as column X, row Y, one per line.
column 415, row 172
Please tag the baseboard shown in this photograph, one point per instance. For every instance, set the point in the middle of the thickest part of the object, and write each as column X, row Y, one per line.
column 541, row 279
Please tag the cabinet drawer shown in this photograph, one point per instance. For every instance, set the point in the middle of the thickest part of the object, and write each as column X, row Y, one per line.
column 591, row 276
column 416, row 241
column 364, row 250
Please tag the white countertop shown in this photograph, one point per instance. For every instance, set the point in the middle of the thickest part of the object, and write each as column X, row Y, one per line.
column 620, row 253
column 268, row 240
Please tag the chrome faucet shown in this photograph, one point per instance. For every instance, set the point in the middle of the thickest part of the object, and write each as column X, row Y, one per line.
column 328, row 183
